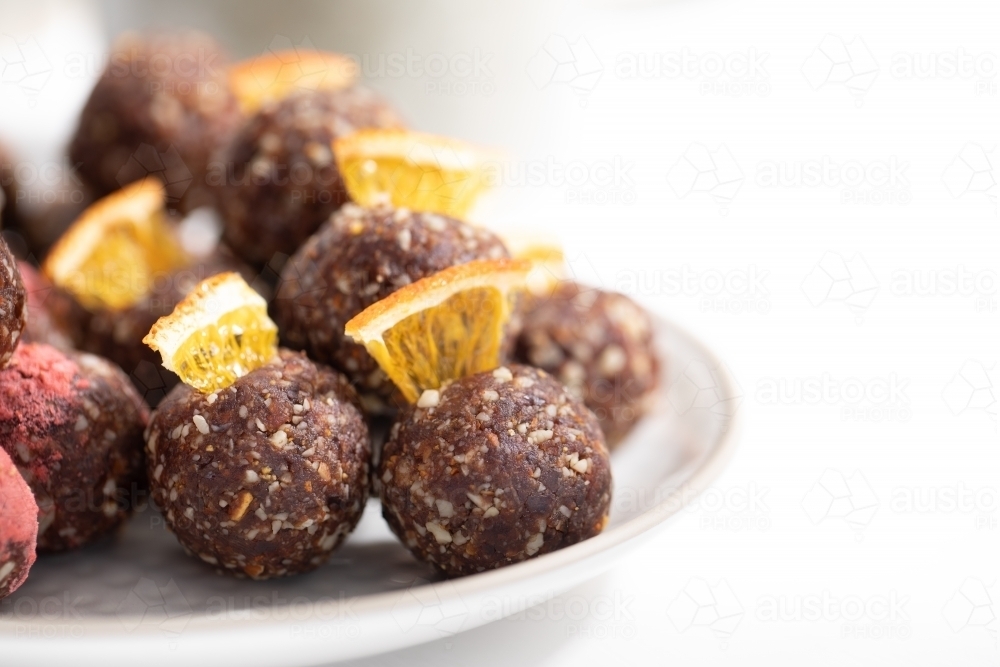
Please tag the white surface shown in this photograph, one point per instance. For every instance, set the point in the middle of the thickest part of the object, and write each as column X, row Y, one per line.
column 939, row 441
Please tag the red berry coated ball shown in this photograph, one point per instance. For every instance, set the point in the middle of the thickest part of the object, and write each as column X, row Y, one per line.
column 73, row 425
column 18, row 527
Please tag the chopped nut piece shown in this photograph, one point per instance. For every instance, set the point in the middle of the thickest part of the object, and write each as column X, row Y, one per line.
column 240, row 506
column 429, row 398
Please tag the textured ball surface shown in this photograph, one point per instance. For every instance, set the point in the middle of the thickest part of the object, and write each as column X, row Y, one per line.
column 13, row 304
column 357, row 258
column 278, row 181
column 18, row 529
column 493, row 469
column 600, row 345
column 162, row 106
column 73, row 424
column 266, row 477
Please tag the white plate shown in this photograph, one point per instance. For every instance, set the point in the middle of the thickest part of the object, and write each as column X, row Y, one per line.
column 138, row 599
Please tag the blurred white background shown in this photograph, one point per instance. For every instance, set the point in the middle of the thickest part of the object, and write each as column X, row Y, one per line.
column 811, row 188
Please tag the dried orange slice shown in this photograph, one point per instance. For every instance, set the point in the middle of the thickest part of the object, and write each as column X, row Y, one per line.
column 443, row 327
column 422, row 172
column 110, row 257
column 546, row 256
column 218, row 333
column 274, row 75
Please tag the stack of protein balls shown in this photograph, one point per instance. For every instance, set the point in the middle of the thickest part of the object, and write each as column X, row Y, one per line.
column 208, row 177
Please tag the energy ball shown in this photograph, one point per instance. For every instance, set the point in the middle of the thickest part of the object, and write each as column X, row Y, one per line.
column 162, row 106
column 54, row 316
column 266, row 477
column 600, row 345
column 493, row 469
column 13, row 304
column 18, row 529
column 358, row 257
column 73, row 425
column 117, row 334
column 279, row 181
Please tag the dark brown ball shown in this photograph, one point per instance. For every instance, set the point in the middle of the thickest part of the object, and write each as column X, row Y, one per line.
column 358, row 257
column 278, row 180
column 493, row 469
column 117, row 334
column 162, row 106
column 73, row 425
column 13, row 304
column 266, row 477
column 600, row 345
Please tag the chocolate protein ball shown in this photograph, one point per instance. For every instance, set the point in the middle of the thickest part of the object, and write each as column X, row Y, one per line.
column 278, row 181
column 73, row 425
column 493, row 469
column 13, row 304
column 162, row 105
column 358, row 257
column 266, row 477
column 54, row 317
column 600, row 345
column 117, row 334
column 18, row 527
